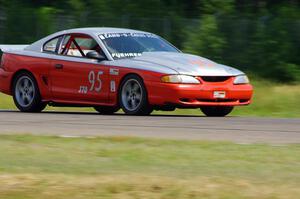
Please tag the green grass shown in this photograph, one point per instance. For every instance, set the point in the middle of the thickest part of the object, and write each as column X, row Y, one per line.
column 270, row 99
column 35, row 167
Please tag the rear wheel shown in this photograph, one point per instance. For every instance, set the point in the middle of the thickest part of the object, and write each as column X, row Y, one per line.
column 26, row 94
column 216, row 111
column 133, row 96
column 106, row 110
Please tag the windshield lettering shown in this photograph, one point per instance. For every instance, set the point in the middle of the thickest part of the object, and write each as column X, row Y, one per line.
column 129, row 45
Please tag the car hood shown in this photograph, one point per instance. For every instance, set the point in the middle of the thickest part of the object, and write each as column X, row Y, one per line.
column 180, row 63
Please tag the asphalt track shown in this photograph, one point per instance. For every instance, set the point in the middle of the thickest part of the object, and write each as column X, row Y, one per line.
column 236, row 129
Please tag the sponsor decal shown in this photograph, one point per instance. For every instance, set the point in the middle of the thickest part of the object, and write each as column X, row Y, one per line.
column 114, row 71
column 101, row 37
column 116, row 35
column 112, row 86
column 219, row 94
column 83, row 89
column 122, row 55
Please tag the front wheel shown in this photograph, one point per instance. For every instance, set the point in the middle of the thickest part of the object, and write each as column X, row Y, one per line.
column 133, row 96
column 26, row 93
column 216, row 111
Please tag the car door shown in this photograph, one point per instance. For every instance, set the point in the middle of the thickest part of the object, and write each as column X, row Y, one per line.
column 76, row 78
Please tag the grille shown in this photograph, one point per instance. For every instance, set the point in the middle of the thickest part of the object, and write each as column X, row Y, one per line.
column 215, row 78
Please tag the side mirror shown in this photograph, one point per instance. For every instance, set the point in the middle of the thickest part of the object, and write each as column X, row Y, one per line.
column 95, row 55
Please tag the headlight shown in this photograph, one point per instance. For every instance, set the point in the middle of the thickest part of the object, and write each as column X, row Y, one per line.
column 241, row 79
column 181, row 79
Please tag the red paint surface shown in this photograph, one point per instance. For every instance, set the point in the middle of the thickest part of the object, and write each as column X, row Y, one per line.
column 62, row 85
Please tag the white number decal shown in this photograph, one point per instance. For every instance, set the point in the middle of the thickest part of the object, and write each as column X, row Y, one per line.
column 95, row 80
column 92, row 80
column 98, row 89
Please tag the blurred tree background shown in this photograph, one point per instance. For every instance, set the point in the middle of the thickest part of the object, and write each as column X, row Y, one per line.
column 258, row 36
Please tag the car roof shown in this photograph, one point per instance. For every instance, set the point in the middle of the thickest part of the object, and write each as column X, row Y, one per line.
column 92, row 31
column 100, row 30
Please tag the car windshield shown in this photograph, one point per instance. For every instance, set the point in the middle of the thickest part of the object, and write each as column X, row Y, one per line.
column 128, row 45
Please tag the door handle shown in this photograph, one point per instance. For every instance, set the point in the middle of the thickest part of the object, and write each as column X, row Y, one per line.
column 58, row 66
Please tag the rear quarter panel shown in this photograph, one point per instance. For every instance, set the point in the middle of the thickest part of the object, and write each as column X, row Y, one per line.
column 38, row 67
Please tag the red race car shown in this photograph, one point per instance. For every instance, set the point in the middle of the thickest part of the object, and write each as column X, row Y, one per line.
column 112, row 68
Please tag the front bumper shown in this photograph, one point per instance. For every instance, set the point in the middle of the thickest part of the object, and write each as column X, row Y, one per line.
column 192, row 95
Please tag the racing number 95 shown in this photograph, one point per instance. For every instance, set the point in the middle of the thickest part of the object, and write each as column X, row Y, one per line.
column 95, row 83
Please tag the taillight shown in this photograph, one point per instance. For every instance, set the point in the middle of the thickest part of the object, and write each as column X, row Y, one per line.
column 1, row 60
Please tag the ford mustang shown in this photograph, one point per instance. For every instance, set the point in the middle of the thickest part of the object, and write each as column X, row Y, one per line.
column 113, row 68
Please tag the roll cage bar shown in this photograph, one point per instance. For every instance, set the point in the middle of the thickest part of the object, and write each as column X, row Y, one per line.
column 72, row 40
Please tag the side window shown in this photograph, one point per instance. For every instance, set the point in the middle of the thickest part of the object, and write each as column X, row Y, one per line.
column 64, row 44
column 79, row 46
column 86, row 44
column 51, row 45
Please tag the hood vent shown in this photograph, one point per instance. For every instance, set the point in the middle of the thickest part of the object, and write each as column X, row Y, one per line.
column 215, row 78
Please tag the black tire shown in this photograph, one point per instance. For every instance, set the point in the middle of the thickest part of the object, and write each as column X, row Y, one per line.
column 106, row 110
column 142, row 107
column 216, row 111
column 35, row 103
